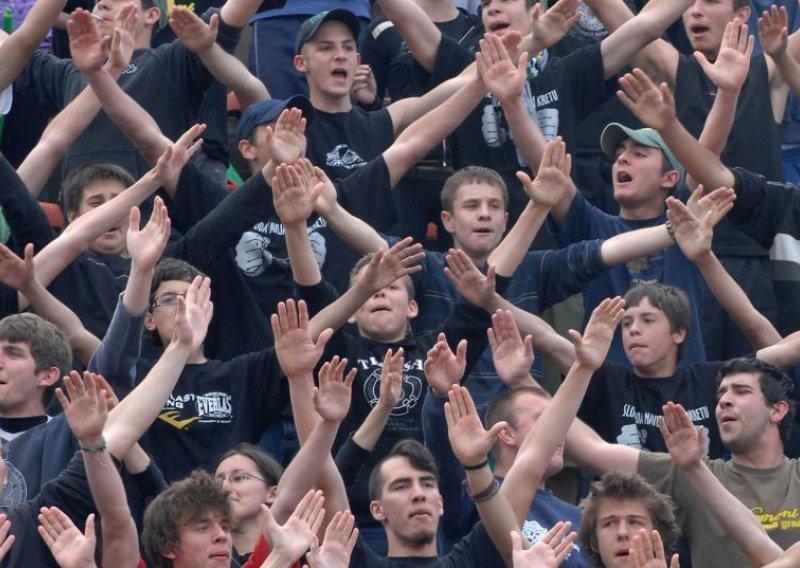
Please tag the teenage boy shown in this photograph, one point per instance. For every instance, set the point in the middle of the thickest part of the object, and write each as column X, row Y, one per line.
column 754, row 414
column 697, row 84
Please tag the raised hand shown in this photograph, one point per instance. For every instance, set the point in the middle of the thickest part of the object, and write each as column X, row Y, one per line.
column 293, row 194
column 443, row 368
column 512, row 356
column 286, row 142
column 337, row 546
column 391, row 385
column 15, row 272
column 123, row 41
column 194, row 33
column 498, row 73
column 591, row 349
column 653, row 105
column 6, row 540
column 476, row 288
column 332, row 396
column 692, row 234
column 326, row 201
column 69, row 546
column 194, row 314
column 88, row 48
column 548, row 27
column 553, row 177
column 387, row 266
column 292, row 539
column 715, row 204
column 773, row 27
column 729, row 70
column 647, row 553
column 297, row 353
column 86, row 409
column 364, row 87
column 171, row 162
column 471, row 443
column 548, row 552
column 146, row 245
column 685, row 441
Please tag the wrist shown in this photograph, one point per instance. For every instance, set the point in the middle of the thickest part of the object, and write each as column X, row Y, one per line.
column 521, row 380
column 93, row 444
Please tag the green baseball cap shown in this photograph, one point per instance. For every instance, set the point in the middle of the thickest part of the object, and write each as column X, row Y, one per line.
column 614, row 134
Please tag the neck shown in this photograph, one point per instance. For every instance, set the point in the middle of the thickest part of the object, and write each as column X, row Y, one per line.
column 399, row 549
column 437, row 10
column 642, row 212
column 245, row 535
column 31, row 409
column 657, row 370
column 764, row 454
column 197, row 358
column 328, row 103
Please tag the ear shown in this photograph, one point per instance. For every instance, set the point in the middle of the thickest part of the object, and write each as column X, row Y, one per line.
column 377, row 511
column 440, row 505
column 413, row 309
column 246, row 150
column 151, row 17
column 352, row 320
column 300, row 63
column 72, row 215
column 49, row 377
column 779, row 411
column 272, row 494
column 169, row 554
column 670, row 179
column 743, row 13
column 358, row 59
column 447, row 221
column 506, row 437
column 678, row 337
column 149, row 324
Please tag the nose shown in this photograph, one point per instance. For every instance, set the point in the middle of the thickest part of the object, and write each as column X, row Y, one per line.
column 491, row 7
column 419, row 493
column 623, row 531
column 221, row 534
column 694, row 9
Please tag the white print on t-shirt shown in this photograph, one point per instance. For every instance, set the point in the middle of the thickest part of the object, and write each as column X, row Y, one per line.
column 635, row 437
column 210, row 408
column 342, row 156
column 589, row 26
column 265, row 244
column 16, row 490
column 412, row 385
column 130, row 69
column 533, row 532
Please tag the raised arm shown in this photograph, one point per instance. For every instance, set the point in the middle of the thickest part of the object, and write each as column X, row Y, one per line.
column 552, row 182
column 686, row 445
column 406, row 111
column 390, row 393
column 416, row 29
column 289, row 541
column 86, row 228
column 773, row 33
column 550, row 429
column 200, row 38
column 19, row 274
column 655, row 107
column 694, row 237
column 86, row 411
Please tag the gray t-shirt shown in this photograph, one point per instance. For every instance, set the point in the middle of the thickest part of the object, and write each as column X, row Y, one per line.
column 773, row 495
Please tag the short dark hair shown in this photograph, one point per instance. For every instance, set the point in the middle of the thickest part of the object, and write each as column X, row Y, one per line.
column 76, row 181
column 182, row 502
column 271, row 471
column 169, row 269
column 626, row 487
column 776, row 386
column 669, row 299
column 499, row 408
column 737, row 4
column 418, row 456
column 471, row 174
column 48, row 344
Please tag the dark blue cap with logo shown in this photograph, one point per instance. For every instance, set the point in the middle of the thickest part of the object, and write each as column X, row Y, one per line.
column 311, row 25
column 269, row 110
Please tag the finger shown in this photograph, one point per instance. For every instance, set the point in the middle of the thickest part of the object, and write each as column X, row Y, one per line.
column 516, row 539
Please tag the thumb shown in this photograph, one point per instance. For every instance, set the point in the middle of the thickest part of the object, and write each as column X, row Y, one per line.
column 88, row 531
column 576, row 337
column 494, row 431
column 269, row 524
column 522, row 64
column 703, row 61
column 323, row 338
column 213, row 24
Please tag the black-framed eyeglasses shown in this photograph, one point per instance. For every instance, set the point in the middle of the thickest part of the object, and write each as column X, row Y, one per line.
column 167, row 299
column 238, row 477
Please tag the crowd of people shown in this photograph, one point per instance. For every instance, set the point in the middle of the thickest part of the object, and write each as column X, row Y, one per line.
column 366, row 352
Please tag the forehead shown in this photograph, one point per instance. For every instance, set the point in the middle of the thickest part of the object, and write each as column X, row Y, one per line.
column 23, row 346
column 478, row 190
column 643, row 307
column 172, row 286
column 106, row 187
column 610, row 507
column 398, row 467
column 740, row 379
column 237, row 462
column 529, row 404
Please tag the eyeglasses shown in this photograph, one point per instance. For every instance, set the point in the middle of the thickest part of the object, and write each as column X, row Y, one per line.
column 167, row 299
column 238, row 477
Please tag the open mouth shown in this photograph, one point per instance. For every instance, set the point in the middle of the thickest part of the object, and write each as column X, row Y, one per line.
column 339, row 73
column 498, row 26
column 623, row 177
column 698, row 29
column 483, row 231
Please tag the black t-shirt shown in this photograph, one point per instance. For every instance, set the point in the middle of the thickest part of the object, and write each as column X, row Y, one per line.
column 475, row 549
column 754, row 141
column 622, row 408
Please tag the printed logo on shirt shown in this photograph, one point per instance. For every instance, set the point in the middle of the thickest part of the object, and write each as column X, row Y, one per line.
column 634, row 436
column 210, row 408
column 786, row 519
column 533, row 532
column 412, row 386
column 589, row 26
column 130, row 69
column 16, row 490
column 342, row 156
column 264, row 246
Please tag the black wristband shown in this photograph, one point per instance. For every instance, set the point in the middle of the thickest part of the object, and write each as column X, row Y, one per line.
column 477, row 466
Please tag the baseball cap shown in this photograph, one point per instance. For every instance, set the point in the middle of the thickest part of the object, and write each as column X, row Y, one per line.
column 269, row 110
column 312, row 24
column 615, row 133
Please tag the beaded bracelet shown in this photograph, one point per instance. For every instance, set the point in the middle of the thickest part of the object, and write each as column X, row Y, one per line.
column 670, row 230
column 488, row 493
column 101, row 447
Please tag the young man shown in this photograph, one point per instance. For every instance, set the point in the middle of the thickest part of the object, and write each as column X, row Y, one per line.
column 754, row 413
column 617, row 508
